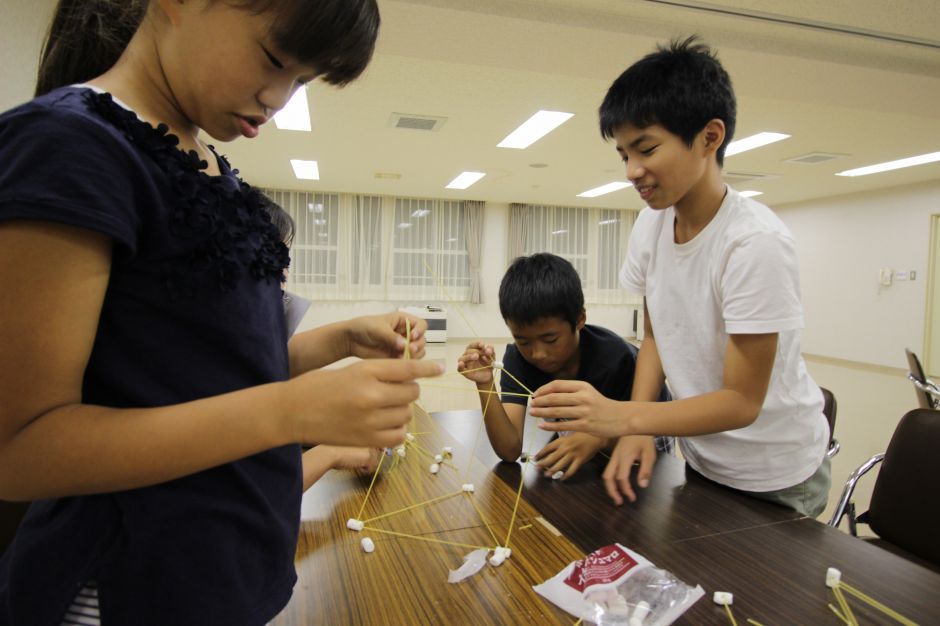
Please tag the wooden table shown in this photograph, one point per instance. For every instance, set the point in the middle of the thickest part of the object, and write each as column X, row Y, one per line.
column 771, row 558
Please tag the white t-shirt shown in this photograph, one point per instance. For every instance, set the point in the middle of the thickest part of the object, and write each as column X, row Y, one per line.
column 739, row 275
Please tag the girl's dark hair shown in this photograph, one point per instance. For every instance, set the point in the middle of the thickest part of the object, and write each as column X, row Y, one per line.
column 337, row 37
column 680, row 87
column 538, row 286
column 87, row 37
column 281, row 219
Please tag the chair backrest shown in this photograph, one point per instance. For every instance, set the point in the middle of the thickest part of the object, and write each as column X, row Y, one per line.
column 904, row 507
column 830, row 407
column 924, row 399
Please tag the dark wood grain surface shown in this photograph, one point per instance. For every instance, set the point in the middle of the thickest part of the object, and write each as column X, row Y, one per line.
column 771, row 558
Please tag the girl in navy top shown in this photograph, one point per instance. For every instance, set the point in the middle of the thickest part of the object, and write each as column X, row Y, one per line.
column 151, row 404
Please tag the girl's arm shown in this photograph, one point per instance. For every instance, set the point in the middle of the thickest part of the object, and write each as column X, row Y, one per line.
column 53, row 445
column 367, row 337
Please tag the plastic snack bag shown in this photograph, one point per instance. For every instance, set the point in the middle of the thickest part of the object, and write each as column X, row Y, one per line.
column 614, row 585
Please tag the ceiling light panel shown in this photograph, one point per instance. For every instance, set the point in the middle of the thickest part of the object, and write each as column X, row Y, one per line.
column 604, row 189
column 754, row 141
column 465, row 180
column 534, row 129
column 296, row 114
column 892, row 165
column 305, row 170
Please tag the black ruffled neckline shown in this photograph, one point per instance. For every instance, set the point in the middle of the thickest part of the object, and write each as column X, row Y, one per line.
column 223, row 213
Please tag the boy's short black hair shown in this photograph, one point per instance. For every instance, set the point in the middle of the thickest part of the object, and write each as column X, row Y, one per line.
column 680, row 87
column 538, row 286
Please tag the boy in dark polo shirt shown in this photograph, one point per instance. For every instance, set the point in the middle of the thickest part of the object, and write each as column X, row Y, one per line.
column 542, row 303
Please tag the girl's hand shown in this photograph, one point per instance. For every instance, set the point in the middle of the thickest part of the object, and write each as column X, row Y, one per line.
column 361, row 460
column 383, row 336
column 477, row 355
column 568, row 453
column 583, row 407
column 365, row 404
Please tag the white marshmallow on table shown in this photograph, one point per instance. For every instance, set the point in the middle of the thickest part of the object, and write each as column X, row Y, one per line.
column 723, row 597
column 435, row 468
column 500, row 554
column 367, row 545
column 833, row 577
column 640, row 613
column 355, row 524
column 401, row 451
column 409, row 437
column 438, row 458
column 468, row 487
column 557, row 475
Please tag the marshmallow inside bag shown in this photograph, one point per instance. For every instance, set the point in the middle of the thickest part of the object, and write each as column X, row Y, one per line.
column 472, row 563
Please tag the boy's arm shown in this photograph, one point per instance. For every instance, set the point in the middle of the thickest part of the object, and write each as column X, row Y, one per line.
column 504, row 423
column 319, row 460
column 647, row 384
column 748, row 363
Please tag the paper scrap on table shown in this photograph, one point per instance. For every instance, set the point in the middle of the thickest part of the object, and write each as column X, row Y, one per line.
column 472, row 563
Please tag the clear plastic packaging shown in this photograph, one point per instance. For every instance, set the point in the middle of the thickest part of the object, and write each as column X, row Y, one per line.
column 614, row 585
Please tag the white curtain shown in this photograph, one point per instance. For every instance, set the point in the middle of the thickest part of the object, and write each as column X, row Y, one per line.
column 350, row 247
column 474, row 216
column 593, row 240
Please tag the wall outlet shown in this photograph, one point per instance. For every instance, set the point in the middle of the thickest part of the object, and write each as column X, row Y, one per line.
column 885, row 275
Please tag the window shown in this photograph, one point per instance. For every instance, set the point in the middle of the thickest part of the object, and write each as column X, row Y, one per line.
column 358, row 247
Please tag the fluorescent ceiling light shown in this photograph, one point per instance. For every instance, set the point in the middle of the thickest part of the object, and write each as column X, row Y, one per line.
column 296, row 113
column 306, row 170
column 534, row 129
column 420, row 212
column 560, row 232
column 465, row 180
column 316, row 207
column 750, row 194
column 606, row 222
column 754, row 141
column 603, row 189
column 892, row 165
column 404, row 225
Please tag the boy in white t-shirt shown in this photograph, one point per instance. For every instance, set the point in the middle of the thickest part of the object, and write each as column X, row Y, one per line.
column 720, row 278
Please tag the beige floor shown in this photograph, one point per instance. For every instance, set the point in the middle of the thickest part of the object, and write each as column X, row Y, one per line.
column 871, row 400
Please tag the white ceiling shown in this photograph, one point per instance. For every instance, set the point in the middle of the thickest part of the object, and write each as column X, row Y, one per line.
column 487, row 65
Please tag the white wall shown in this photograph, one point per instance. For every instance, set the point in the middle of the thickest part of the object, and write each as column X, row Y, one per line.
column 842, row 243
column 467, row 321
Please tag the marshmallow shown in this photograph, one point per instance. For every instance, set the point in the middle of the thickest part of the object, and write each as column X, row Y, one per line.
column 500, row 554
column 447, row 451
column 401, row 451
column 409, row 437
column 557, row 475
column 498, row 365
column 723, row 597
column 367, row 545
column 617, row 606
column 355, row 524
column 833, row 577
column 438, row 458
column 640, row 613
column 435, row 468
column 468, row 487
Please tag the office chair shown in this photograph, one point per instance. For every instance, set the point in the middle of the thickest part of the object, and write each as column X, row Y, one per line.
column 904, row 507
column 829, row 410
column 928, row 393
